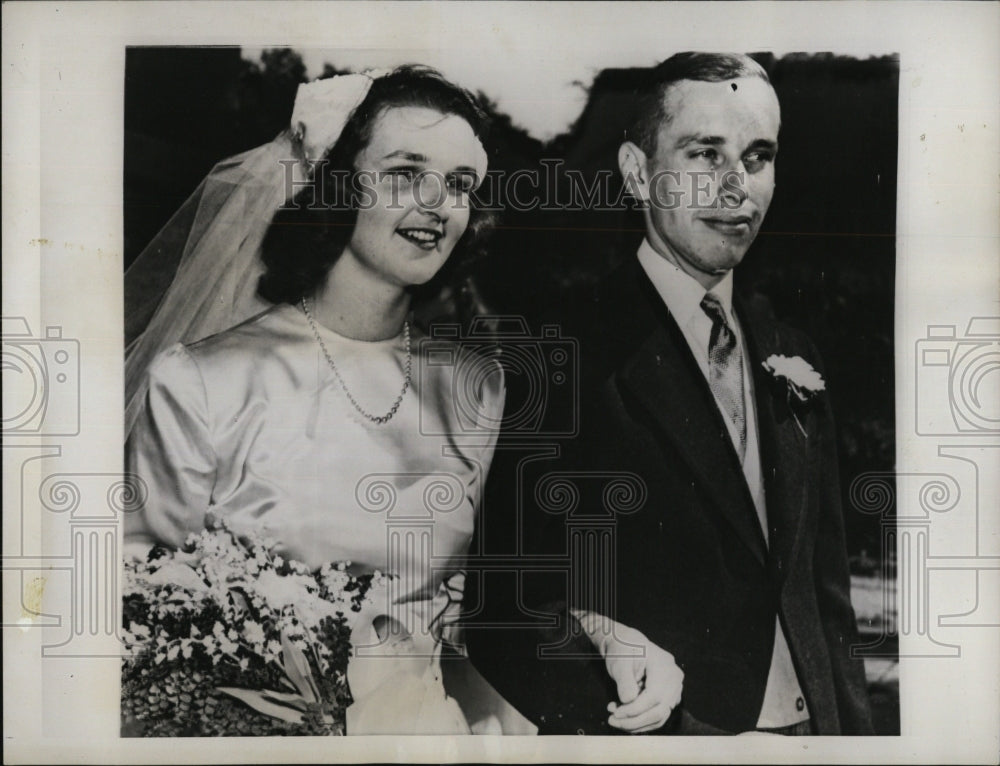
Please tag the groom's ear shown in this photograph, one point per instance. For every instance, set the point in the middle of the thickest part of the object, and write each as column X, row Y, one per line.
column 632, row 164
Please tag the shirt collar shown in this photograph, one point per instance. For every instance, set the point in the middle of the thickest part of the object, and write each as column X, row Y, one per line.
column 679, row 291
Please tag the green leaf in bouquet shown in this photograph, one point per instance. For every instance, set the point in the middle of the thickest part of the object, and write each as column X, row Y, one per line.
column 296, row 667
column 260, row 702
column 291, row 700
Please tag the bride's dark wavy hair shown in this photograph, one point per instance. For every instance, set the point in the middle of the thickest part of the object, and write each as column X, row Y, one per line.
column 306, row 237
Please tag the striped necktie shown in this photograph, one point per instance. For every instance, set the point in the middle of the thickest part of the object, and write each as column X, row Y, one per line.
column 725, row 369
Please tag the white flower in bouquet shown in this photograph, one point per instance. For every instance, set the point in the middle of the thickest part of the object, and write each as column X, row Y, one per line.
column 229, row 638
column 298, row 592
column 178, row 573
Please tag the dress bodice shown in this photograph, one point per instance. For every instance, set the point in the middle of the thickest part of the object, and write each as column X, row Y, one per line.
column 252, row 425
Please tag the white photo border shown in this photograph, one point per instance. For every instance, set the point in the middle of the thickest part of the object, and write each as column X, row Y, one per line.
column 63, row 66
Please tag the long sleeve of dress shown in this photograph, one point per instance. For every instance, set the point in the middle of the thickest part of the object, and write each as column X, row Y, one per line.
column 170, row 451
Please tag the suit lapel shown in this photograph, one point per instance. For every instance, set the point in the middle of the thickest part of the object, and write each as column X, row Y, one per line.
column 782, row 445
column 664, row 378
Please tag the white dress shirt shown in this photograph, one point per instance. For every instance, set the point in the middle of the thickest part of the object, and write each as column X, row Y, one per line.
column 784, row 703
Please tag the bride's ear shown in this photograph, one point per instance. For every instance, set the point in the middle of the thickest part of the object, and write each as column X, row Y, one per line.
column 632, row 164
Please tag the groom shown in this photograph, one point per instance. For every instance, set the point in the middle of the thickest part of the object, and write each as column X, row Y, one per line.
column 735, row 562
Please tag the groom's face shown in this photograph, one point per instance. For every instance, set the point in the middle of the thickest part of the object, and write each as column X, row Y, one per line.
column 711, row 177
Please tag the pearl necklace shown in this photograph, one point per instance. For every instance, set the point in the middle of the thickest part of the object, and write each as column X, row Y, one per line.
column 377, row 419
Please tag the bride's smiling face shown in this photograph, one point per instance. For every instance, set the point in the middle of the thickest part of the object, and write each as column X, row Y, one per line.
column 416, row 175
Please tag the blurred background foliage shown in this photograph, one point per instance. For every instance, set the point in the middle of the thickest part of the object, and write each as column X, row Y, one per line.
column 824, row 261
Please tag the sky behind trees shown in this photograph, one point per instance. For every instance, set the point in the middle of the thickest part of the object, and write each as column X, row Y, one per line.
column 542, row 89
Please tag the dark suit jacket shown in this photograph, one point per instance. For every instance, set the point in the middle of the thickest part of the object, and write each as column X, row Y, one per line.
column 691, row 567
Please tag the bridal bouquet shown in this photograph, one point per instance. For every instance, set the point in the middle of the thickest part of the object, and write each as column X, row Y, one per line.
column 226, row 638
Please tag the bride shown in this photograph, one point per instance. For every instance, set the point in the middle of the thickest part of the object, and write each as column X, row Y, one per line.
column 323, row 421
column 281, row 387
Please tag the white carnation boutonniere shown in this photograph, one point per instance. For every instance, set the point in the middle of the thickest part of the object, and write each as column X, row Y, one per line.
column 802, row 382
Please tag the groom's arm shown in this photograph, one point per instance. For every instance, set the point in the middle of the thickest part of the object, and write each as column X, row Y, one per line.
column 514, row 612
column 560, row 666
column 565, row 690
column 648, row 681
column 568, row 692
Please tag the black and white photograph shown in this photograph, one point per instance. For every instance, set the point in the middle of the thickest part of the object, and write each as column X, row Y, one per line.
column 693, row 607
column 507, row 385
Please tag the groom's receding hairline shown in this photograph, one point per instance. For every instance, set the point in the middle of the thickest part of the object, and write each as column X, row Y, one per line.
column 650, row 107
